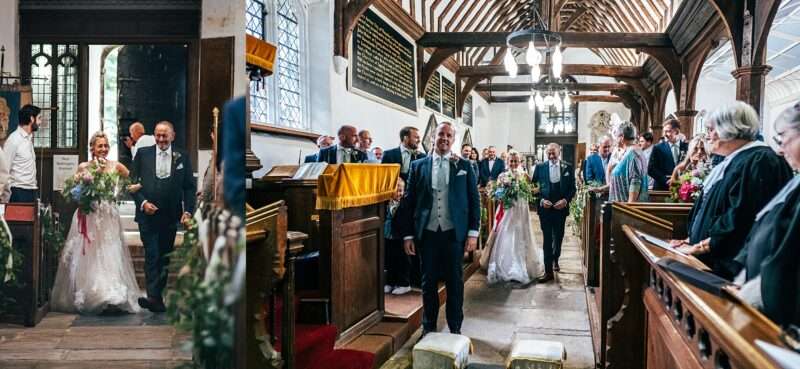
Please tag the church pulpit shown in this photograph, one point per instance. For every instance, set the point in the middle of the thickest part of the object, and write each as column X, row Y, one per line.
column 32, row 296
column 688, row 327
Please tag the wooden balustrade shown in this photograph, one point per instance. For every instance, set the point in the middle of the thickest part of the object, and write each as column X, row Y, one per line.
column 688, row 327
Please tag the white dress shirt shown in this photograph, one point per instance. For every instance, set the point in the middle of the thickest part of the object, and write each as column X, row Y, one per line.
column 144, row 141
column 491, row 164
column 21, row 159
column 163, row 162
column 341, row 152
column 406, row 154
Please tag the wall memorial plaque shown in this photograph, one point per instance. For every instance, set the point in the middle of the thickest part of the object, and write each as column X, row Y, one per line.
column 448, row 98
column 433, row 93
column 466, row 111
column 382, row 64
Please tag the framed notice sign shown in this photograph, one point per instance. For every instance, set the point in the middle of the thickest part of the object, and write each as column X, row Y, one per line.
column 433, row 93
column 466, row 111
column 64, row 166
column 382, row 64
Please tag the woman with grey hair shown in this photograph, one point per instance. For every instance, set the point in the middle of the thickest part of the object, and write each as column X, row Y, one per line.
column 771, row 256
column 628, row 179
column 735, row 190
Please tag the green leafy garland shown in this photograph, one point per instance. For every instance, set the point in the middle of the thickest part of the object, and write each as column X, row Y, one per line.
column 197, row 306
column 578, row 204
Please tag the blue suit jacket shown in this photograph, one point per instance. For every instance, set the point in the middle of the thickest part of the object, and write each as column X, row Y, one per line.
column 311, row 158
column 662, row 164
column 233, row 140
column 464, row 201
column 181, row 187
column 541, row 175
column 395, row 156
column 486, row 175
column 328, row 155
column 593, row 169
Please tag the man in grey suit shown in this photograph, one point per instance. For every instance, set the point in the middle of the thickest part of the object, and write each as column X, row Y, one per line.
column 443, row 219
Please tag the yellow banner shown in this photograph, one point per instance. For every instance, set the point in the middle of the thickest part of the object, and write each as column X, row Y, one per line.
column 260, row 53
column 352, row 185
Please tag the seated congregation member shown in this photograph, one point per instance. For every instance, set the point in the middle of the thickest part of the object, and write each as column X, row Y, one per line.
column 595, row 165
column 735, row 190
column 466, row 153
column 666, row 155
column 345, row 151
column 556, row 180
column 443, row 219
column 771, row 255
column 407, row 152
column 628, row 180
column 323, row 142
column 398, row 264
column 491, row 167
column 696, row 159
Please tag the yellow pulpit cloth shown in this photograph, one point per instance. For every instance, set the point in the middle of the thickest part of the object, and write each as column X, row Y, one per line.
column 351, row 185
column 260, row 53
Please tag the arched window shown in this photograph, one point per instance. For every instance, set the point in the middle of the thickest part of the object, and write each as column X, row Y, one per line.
column 281, row 99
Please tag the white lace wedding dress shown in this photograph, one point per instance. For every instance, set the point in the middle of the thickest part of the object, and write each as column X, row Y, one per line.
column 514, row 255
column 98, row 273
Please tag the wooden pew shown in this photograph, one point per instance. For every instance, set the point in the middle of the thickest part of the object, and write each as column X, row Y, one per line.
column 272, row 250
column 590, row 242
column 659, row 196
column 616, row 312
column 39, row 261
column 690, row 328
column 675, row 213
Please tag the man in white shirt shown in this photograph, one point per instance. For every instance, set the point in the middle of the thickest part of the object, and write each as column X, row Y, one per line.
column 138, row 139
column 21, row 157
column 365, row 144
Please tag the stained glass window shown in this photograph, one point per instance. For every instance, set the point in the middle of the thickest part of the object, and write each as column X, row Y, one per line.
column 54, row 69
column 280, row 99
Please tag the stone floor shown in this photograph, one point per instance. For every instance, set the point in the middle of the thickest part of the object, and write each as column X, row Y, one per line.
column 67, row 341
column 497, row 315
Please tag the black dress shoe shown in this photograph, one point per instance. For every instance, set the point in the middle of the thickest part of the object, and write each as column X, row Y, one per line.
column 547, row 277
column 156, row 306
column 556, row 268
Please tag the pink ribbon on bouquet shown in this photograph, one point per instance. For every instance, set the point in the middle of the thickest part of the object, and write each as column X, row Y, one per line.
column 83, row 231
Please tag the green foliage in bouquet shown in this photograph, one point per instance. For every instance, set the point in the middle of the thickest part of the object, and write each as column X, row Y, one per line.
column 510, row 188
column 92, row 185
column 10, row 266
column 197, row 305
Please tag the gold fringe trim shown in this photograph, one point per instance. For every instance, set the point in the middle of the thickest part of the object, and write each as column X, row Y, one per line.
column 338, row 203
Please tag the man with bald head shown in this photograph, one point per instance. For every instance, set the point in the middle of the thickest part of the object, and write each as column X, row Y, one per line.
column 556, row 180
column 345, row 151
column 138, row 139
column 595, row 168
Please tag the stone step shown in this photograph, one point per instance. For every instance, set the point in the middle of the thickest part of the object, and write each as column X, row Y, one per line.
column 132, row 239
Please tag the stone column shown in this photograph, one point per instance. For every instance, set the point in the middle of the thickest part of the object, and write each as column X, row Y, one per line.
column 686, row 118
column 750, row 85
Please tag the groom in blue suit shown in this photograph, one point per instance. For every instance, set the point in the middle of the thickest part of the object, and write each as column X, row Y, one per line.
column 442, row 222
column 166, row 197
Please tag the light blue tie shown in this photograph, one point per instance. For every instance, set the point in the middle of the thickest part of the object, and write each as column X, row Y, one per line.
column 441, row 177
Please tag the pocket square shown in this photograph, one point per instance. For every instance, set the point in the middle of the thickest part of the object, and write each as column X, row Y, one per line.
column 179, row 167
column 566, row 174
column 461, row 172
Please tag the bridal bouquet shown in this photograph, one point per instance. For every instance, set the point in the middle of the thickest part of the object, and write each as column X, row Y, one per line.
column 92, row 185
column 687, row 187
column 511, row 187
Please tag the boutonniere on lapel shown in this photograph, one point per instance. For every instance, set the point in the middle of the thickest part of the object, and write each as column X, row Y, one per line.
column 175, row 157
column 454, row 159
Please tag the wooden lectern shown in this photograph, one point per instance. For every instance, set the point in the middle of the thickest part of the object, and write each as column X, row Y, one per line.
column 32, row 297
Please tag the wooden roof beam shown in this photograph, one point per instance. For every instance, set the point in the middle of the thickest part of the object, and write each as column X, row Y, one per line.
column 569, row 39
column 570, row 69
column 522, row 87
column 575, row 98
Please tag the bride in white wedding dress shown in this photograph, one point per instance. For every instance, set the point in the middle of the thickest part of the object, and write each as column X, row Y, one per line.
column 512, row 252
column 95, row 271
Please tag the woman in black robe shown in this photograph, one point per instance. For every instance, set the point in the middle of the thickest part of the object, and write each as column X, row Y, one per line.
column 735, row 190
column 771, row 255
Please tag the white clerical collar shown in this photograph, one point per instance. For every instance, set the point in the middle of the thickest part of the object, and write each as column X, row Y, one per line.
column 719, row 171
column 780, row 198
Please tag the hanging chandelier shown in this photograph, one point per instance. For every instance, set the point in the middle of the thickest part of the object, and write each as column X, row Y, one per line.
column 536, row 43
